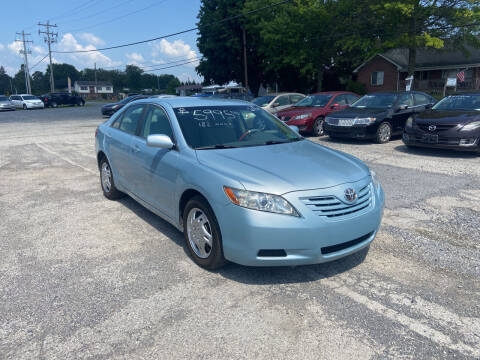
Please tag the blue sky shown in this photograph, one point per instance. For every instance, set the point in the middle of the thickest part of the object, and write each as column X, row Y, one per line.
column 86, row 24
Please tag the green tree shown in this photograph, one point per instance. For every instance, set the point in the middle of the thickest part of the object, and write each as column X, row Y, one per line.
column 40, row 83
column 19, row 81
column 222, row 44
column 417, row 24
column 5, row 82
column 61, row 73
column 133, row 77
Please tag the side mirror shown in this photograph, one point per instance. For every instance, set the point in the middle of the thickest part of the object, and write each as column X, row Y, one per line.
column 334, row 106
column 428, row 106
column 275, row 104
column 160, row 141
column 402, row 107
column 294, row 128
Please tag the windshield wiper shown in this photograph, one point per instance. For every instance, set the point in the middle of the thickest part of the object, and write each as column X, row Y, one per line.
column 217, row 146
column 274, row 142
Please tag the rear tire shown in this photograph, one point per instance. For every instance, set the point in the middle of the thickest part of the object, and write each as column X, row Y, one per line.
column 318, row 126
column 202, row 234
column 107, row 182
column 384, row 133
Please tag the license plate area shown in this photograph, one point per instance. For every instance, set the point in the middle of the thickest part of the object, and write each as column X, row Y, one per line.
column 430, row 138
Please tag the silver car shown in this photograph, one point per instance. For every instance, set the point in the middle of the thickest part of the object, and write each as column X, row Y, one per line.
column 6, row 104
column 276, row 102
column 26, row 101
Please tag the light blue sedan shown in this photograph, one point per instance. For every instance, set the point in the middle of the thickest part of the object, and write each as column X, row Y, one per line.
column 239, row 183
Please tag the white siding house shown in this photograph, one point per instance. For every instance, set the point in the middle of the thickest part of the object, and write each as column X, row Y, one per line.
column 91, row 87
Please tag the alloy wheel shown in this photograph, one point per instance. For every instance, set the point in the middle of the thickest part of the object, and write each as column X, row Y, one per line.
column 384, row 133
column 199, row 233
column 106, row 177
column 318, row 127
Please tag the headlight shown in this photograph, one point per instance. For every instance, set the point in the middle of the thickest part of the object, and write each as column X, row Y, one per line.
column 303, row 116
column 115, row 106
column 409, row 122
column 365, row 121
column 375, row 181
column 472, row 126
column 260, row 201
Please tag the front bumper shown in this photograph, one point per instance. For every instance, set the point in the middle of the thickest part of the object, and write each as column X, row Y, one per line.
column 353, row 132
column 256, row 238
column 452, row 139
column 304, row 125
column 35, row 106
column 8, row 107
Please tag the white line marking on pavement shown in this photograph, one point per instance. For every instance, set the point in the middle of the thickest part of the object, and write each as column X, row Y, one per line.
column 412, row 324
column 43, row 147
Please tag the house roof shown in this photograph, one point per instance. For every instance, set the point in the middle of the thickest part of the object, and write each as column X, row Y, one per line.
column 93, row 83
column 431, row 59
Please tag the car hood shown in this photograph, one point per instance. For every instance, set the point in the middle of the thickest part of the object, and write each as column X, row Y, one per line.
column 111, row 105
column 294, row 111
column 282, row 168
column 352, row 112
column 447, row 117
column 7, row 102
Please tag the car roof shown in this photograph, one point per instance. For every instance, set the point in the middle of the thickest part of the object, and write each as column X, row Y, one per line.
column 24, row 94
column 281, row 93
column 188, row 101
column 333, row 93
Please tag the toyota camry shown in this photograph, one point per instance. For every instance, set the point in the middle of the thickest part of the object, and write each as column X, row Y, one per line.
column 239, row 183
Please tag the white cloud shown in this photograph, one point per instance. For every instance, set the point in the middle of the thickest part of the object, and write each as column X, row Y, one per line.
column 2, row 47
column 38, row 49
column 15, row 47
column 135, row 58
column 83, row 59
column 91, row 39
column 175, row 49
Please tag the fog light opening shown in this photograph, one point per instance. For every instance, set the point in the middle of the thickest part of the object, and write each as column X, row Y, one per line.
column 467, row 142
column 272, row 253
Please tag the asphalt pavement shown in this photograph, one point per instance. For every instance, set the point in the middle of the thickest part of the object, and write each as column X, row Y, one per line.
column 85, row 277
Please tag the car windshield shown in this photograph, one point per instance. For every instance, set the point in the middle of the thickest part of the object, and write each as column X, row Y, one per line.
column 128, row 99
column 3, row 98
column 29, row 97
column 263, row 100
column 217, row 127
column 314, row 100
column 376, row 101
column 459, row 102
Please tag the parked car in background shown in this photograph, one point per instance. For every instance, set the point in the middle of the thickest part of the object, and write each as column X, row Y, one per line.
column 239, row 183
column 274, row 103
column 309, row 113
column 453, row 123
column 26, row 101
column 163, row 96
column 110, row 109
column 377, row 116
column 61, row 98
column 6, row 104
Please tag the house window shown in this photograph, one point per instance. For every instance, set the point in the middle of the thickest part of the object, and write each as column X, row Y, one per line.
column 108, row 88
column 84, row 88
column 377, row 78
column 99, row 88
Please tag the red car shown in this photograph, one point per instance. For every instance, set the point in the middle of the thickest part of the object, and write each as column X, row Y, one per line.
column 309, row 114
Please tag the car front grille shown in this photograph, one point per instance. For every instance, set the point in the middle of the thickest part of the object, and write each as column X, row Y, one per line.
column 333, row 207
column 425, row 127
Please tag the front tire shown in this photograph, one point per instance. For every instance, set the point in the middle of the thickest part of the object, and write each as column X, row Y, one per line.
column 202, row 234
column 384, row 133
column 24, row 107
column 107, row 183
column 318, row 126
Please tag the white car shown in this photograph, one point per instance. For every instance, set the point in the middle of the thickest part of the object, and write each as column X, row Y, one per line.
column 26, row 101
column 274, row 103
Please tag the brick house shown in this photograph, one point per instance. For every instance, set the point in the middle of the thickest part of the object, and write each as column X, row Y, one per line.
column 387, row 71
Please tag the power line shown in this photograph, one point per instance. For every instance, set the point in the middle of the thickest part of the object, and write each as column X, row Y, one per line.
column 179, row 32
column 145, row 66
column 119, row 17
column 169, row 67
column 102, row 12
column 38, row 62
column 87, row 5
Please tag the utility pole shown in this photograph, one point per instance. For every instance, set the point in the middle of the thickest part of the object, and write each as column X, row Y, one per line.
column 50, row 38
column 25, row 53
column 245, row 58
column 95, row 72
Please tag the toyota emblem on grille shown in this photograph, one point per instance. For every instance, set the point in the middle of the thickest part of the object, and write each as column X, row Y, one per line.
column 350, row 195
column 432, row 128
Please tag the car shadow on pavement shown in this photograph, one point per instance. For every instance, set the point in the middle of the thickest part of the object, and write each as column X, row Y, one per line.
column 249, row 274
column 446, row 153
column 260, row 275
column 327, row 139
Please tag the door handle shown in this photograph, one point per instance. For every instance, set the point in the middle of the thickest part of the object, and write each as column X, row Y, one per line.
column 135, row 148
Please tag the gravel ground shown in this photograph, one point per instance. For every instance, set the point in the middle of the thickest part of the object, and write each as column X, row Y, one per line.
column 84, row 277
